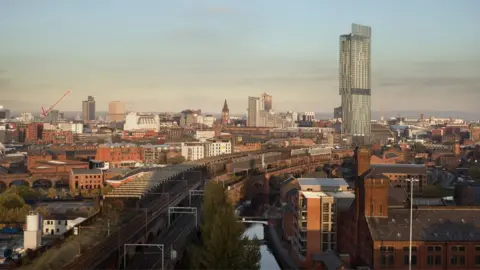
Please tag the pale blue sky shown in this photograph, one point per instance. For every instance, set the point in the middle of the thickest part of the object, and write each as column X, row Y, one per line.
column 167, row 55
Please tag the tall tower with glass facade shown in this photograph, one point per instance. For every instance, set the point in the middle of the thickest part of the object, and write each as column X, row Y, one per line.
column 355, row 81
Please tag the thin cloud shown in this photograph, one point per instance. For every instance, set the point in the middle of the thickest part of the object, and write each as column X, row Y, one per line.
column 220, row 10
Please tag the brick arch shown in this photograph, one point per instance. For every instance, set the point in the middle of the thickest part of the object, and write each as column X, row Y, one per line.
column 18, row 181
column 42, row 182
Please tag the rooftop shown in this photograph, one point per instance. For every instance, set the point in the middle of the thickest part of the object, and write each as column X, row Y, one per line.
column 435, row 224
column 86, row 171
column 398, row 168
column 322, row 182
column 313, row 195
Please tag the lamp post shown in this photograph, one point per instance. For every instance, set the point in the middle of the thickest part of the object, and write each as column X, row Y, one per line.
column 411, row 180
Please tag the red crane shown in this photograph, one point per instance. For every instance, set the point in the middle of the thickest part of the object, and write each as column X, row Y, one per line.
column 45, row 113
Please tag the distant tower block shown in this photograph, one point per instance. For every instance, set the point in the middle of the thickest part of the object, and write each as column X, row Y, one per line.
column 33, row 234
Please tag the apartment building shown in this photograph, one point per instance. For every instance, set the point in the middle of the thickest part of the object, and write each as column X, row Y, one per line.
column 310, row 216
column 193, row 151
column 218, row 147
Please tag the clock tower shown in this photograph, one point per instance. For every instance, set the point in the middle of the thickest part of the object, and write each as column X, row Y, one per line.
column 225, row 114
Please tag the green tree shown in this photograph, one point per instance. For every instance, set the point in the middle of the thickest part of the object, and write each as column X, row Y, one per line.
column 176, row 160
column 52, row 193
column 223, row 244
column 474, row 172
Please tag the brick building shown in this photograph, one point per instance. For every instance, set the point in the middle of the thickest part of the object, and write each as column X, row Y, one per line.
column 86, row 179
column 33, row 132
column 119, row 155
column 310, row 216
column 57, row 137
column 375, row 233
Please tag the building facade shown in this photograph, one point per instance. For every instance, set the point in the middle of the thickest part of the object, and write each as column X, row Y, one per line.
column 193, row 151
column 88, row 109
column 254, row 108
column 355, row 81
column 119, row 155
column 86, row 179
column 267, row 102
column 116, row 111
column 142, row 121
column 218, row 147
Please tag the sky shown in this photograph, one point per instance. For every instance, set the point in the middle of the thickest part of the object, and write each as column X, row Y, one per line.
column 164, row 55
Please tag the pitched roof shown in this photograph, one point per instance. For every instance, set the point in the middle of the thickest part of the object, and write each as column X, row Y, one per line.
column 435, row 224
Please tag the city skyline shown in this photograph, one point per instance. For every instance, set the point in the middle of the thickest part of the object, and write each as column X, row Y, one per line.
column 236, row 50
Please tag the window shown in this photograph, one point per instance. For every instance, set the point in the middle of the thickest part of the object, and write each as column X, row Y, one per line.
column 477, row 260
column 457, row 260
column 414, row 259
column 430, row 260
column 438, row 260
column 325, row 217
column 381, row 209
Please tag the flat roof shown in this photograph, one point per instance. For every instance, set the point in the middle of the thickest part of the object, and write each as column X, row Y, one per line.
column 325, row 182
column 86, row 171
column 313, row 194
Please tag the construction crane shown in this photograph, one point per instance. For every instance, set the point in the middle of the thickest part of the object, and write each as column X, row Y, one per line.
column 45, row 113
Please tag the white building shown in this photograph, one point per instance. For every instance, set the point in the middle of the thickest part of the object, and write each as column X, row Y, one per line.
column 209, row 120
column 255, row 106
column 203, row 135
column 60, row 224
column 217, row 148
column 193, row 151
column 142, row 121
column 306, row 116
column 26, row 117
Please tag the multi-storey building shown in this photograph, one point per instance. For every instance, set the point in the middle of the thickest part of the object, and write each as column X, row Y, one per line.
column 267, row 102
column 217, row 147
column 119, row 155
column 310, row 217
column 154, row 154
column 34, row 132
column 255, row 106
column 116, row 111
column 193, row 150
column 86, row 179
column 376, row 233
column 355, row 81
column 57, row 137
column 142, row 121
column 88, row 109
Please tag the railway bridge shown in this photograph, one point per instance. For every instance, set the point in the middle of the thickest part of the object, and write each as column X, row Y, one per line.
column 33, row 179
column 166, row 209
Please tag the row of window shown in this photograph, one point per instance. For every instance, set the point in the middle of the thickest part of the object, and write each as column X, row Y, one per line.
column 388, row 260
column 59, row 222
column 456, row 248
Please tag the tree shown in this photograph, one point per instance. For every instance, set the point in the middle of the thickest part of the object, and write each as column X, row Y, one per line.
column 474, row 172
column 52, row 193
column 223, row 244
column 176, row 160
column 419, row 148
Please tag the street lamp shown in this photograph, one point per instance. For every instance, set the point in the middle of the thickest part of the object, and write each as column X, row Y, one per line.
column 411, row 180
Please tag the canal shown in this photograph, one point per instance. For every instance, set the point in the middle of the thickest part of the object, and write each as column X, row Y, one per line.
column 268, row 261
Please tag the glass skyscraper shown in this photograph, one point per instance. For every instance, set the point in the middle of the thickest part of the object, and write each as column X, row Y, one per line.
column 355, row 81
